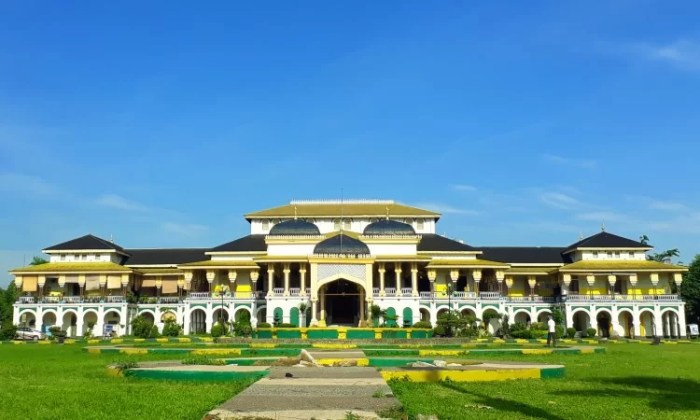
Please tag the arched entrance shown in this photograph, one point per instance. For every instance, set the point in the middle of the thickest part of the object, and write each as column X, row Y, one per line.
column 604, row 321
column 198, row 321
column 522, row 317
column 646, row 324
column 342, row 302
column 69, row 323
column 581, row 321
column 48, row 321
column 625, row 320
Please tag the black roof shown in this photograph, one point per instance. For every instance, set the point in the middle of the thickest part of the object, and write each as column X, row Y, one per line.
column 246, row 243
column 389, row 227
column 606, row 240
column 295, row 227
column 524, row 254
column 86, row 242
column 433, row 242
column 165, row 256
column 343, row 245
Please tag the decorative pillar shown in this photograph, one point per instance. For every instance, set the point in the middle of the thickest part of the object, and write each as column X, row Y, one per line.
column 432, row 275
column 286, row 272
column 362, row 307
column 323, row 309
column 254, row 275
column 654, row 277
column 500, row 274
column 232, row 276
column 314, row 310
column 103, row 284
column 590, row 281
column 81, row 283
column 612, row 279
column 270, row 280
column 211, row 275
column 476, row 275
column 565, row 283
column 302, row 280
column 509, row 283
column 414, row 280
column 633, row 282
column 532, row 282
column 125, row 282
column 382, row 271
column 678, row 279
column 188, row 280
column 397, row 272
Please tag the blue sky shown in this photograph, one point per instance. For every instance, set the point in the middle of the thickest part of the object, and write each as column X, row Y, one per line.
column 525, row 123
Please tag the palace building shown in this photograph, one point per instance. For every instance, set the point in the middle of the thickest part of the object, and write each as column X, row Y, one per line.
column 334, row 260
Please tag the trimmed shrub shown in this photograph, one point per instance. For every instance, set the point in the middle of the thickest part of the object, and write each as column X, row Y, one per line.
column 264, row 325
column 520, row 330
column 8, row 332
column 591, row 332
column 571, row 332
column 218, row 330
column 203, row 360
column 142, row 327
column 171, row 328
column 286, row 325
column 422, row 324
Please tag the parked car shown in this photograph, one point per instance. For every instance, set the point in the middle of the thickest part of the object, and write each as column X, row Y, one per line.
column 26, row 333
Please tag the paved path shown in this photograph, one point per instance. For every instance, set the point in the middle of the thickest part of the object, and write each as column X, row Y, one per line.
column 321, row 393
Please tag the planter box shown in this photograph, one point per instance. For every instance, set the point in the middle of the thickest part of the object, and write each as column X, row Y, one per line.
column 421, row 333
column 356, row 333
column 289, row 333
column 322, row 334
column 394, row 333
column 263, row 333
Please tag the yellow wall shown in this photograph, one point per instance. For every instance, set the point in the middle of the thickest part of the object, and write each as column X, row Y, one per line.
column 518, row 289
column 243, row 285
column 599, row 286
column 644, row 286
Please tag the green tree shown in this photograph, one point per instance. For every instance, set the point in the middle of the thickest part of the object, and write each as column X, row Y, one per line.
column 38, row 261
column 659, row 256
column 690, row 291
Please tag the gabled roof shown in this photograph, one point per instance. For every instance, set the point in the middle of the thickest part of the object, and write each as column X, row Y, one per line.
column 341, row 244
column 161, row 256
column 73, row 267
column 250, row 243
column 433, row 242
column 336, row 208
column 525, row 254
column 86, row 242
column 620, row 265
column 606, row 240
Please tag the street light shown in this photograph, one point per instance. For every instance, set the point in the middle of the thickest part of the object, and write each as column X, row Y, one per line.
column 449, row 308
column 222, row 291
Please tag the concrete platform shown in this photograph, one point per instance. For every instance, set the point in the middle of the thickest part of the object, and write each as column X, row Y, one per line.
column 323, row 393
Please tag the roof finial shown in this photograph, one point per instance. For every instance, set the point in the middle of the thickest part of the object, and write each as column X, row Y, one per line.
column 602, row 226
column 295, row 212
column 111, row 238
column 580, row 236
column 387, row 212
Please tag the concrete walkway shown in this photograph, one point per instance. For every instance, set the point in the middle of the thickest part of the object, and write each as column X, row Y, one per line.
column 320, row 393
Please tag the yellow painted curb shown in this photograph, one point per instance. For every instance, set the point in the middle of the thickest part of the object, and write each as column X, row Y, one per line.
column 338, row 361
column 221, row 352
column 93, row 350
column 263, row 345
column 133, row 351
column 441, row 352
column 184, row 340
column 461, row 375
column 537, row 351
column 112, row 371
column 139, row 340
column 334, row 346
column 162, row 340
column 587, row 351
column 93, row 341
column 117, row 341
column 44, row 342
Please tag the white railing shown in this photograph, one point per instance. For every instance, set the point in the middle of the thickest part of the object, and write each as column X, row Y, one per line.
column 278, row 290
column 26, row 299
column 375, row 291
column 51, row 299
column 425, row 295
column 169, row 299
column 667, row 297
column 72, row 299
column 406, row 291
column 390, row 291
column 114, row 299
column 294, row 291
column 626, row 298
column 199, row 295
column 489, row 295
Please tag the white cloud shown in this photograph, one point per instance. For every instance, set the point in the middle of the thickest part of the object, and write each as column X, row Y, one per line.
column 559, row 200
column 119, row 202
column 667, row 205
column 463, row 187
column 30, row 185
column 447, row 209
column 184, row 229
column 564, row 161
column 600, row 216
column 683, row 54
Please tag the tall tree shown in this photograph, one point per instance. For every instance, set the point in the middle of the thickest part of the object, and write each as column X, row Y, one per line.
column 659, row 256
column 690, row 291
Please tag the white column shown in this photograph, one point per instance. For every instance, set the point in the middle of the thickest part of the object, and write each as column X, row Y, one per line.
column 302, row 281
column 286, row 272
column 476, row 275
column 681, row 323
column 209, row 320
column 397, row 271
column 382, row 271
column 186, row 323
column 270, row 281
column 414, row 280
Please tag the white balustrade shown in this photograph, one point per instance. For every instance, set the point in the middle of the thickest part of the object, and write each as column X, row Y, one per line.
column 169, row 299
column 375, row 291
column 72, row 299
column 490, row 295
column 406, row 290
column 26, row 299
column 390, row 291
column 425, row 295
column 114, row 299
column 294, row 291
column 199, row 295
column 278, row 290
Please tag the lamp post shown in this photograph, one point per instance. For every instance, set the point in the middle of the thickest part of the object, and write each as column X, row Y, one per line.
column 222, row 292
column 449, row 309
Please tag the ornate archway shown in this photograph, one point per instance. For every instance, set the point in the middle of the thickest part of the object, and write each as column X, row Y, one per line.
column 342, row 302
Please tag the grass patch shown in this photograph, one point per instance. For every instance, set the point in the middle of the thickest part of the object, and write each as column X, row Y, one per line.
column 62, row 382
column 628, row 381
column 203, row 360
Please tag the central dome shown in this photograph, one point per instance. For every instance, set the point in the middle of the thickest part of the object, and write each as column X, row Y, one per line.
column 295, row 227
column 341, row 245
column 389, row 227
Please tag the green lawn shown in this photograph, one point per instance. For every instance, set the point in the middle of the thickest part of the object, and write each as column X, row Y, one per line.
column 62, row 382
column 629, row 381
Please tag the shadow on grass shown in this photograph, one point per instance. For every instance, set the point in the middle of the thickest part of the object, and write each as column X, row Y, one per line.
column 662, row 393
column 503, row 404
